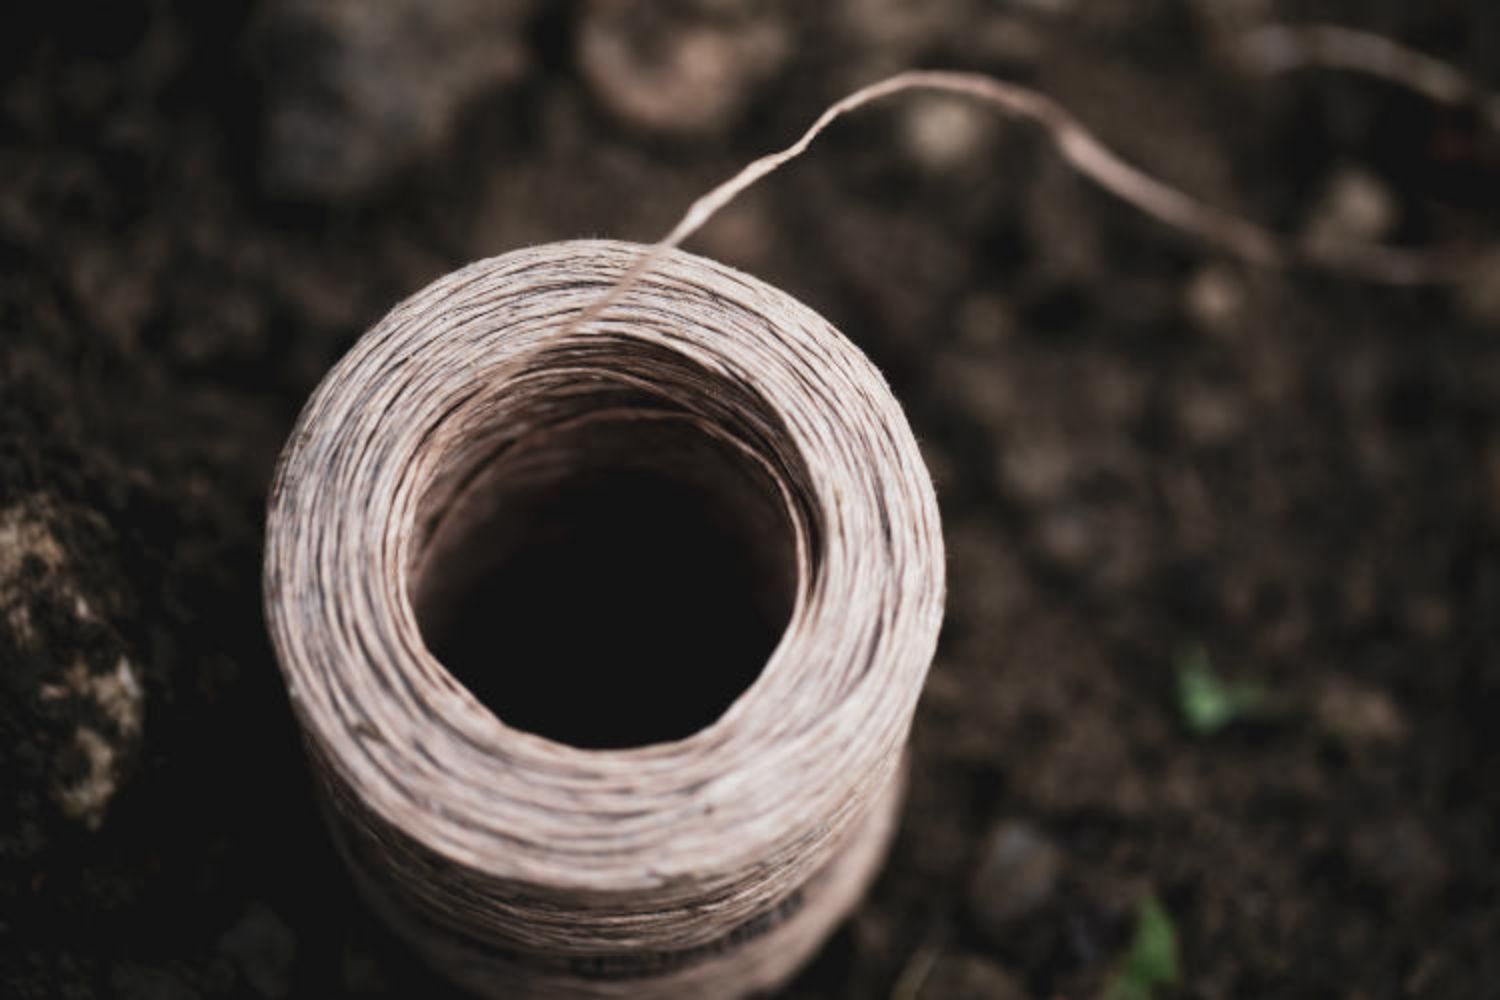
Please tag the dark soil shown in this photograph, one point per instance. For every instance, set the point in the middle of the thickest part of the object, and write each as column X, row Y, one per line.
column 1141, row 447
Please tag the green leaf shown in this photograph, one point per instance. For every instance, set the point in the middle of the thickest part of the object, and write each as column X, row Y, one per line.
column 1206, row 702
column 1151, row 962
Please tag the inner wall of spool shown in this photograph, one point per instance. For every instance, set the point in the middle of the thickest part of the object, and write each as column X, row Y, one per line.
column 615, row 583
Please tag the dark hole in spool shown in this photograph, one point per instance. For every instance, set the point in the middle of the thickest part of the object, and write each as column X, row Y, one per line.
column 621, row 591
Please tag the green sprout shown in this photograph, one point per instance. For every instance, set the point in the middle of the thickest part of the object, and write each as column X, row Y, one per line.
column 1151, row 963
column 1206, row 701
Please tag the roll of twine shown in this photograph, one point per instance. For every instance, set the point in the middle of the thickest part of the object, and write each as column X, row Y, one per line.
column 708, row 865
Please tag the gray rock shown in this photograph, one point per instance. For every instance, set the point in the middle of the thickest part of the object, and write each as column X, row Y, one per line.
column 1018, row 874
column 682, row 68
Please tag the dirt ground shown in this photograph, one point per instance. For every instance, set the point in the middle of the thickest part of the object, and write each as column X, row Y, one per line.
column 1148, row 455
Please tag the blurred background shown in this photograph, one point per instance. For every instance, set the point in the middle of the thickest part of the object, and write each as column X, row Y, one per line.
column 1213, row 711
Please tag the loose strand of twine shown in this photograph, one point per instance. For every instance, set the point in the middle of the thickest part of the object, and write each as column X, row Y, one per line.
column 1270, row 49
column 1282, row 48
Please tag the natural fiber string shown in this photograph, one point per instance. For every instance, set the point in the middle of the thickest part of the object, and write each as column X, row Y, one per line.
column 1269, row 50
column 1281, row 48
column 704, row 866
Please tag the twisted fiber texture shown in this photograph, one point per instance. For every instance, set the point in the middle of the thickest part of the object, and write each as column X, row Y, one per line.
column 704, row 866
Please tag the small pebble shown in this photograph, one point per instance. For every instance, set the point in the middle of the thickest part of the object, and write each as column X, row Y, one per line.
column 1359, row 714
column 944, row 133
column 686, row 70
column 1356, row 207
column 1214, row 300
column 1035, row 469
column 1017, row 876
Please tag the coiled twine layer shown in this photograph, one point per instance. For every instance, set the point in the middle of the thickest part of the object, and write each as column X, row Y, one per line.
column 710, row 863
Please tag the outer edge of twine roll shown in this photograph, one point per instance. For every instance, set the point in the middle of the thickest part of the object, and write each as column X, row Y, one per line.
column 544, row 856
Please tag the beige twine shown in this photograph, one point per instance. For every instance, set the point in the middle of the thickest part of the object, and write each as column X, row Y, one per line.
column 1282, row 48
column 706, row 866
column 715, row 864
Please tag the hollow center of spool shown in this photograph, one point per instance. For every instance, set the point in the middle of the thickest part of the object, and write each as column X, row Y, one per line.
column 614, row 584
